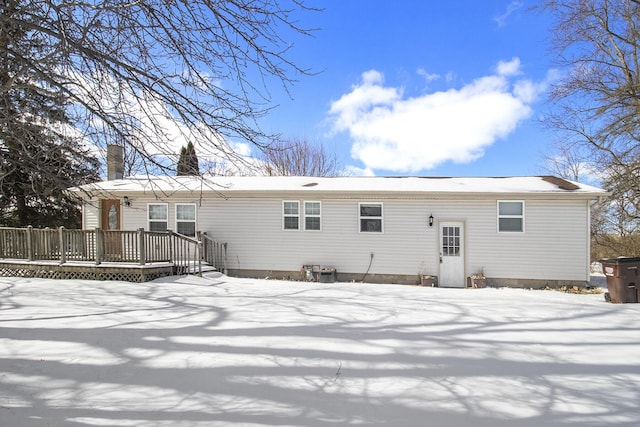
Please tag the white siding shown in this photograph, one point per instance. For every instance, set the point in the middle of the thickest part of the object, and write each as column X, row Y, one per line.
column 135, row 215
column 253, row 229
column 554, row 245
column 90, row 216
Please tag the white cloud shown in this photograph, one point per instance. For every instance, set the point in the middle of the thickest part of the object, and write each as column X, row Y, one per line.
column 429, row 77
column 362, row 98
column 394, row 133
column 159, row 133
column 501, row 20
column 372, row 77
column 509, row 68
column 356, row 171
column 450, row 77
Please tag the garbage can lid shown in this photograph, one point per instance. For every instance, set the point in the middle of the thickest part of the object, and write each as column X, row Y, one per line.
column 620, row 260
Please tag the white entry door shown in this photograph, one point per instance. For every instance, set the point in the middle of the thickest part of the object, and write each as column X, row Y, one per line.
column 451, row 255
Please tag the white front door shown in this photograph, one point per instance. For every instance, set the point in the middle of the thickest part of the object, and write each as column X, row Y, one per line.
column 451, row 255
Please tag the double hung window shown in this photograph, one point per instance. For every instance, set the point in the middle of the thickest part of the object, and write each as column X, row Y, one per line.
column 291, row 214
column 510, row 216
column 312, row 216
column 157, row 216
column 186, row 219
column 370, row 217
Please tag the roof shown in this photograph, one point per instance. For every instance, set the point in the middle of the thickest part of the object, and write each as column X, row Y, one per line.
column 369, row 185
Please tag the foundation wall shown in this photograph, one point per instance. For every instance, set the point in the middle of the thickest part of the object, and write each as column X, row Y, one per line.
column 404, row 279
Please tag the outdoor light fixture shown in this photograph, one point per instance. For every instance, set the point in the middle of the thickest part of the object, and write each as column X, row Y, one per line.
column 126, row 201
column 431, row 220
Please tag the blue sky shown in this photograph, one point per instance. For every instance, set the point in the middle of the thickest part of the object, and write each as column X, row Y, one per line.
column 442, row 88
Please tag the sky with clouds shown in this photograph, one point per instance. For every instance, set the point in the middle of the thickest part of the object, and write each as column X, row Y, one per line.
column 423, row 87
column 411, row 134
column 412, row 87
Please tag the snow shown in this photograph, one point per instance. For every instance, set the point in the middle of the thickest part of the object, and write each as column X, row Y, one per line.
column 220, row 351
column 266, row 184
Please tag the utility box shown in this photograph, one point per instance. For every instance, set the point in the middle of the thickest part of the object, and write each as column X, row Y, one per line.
column 623, row 281
column 326, row 275
column 317, row 273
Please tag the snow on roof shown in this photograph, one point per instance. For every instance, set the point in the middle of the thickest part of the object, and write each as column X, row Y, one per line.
column 285, row 184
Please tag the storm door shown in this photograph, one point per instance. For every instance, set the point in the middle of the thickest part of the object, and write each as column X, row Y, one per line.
column 451, row 255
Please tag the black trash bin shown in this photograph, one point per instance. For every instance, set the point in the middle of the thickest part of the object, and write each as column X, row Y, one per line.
column 623, row 282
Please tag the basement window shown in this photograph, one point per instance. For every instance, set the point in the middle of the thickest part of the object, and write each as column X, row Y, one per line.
column 510, row 216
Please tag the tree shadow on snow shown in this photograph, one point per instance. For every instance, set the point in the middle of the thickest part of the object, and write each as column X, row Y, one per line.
column 185, row 354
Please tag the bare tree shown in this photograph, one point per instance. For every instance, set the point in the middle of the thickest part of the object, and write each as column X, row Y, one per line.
column 140, row 73
column 298, row 157
column 597, row 99
column 568, row 162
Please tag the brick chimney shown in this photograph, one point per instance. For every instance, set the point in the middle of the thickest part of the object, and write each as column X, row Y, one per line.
column 115, row 162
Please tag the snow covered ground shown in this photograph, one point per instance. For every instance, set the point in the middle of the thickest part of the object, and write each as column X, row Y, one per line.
column 213, row 351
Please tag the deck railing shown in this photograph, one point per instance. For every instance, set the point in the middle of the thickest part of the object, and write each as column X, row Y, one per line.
column 139, row 247
column 214, row 252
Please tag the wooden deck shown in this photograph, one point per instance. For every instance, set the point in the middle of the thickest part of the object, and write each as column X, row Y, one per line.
column 135, row 256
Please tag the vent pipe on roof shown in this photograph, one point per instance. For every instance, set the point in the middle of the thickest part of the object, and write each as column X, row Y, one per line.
column 115, row 162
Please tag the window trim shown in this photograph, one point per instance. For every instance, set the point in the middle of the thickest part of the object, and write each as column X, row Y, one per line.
column 521, row 217
column 194, row 221
column 149, row 220
column 381, row 217
column 286, row 215
column 306, row 215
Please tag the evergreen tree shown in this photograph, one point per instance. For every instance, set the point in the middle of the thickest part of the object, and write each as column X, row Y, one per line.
column 38, row 161
column 188, row 162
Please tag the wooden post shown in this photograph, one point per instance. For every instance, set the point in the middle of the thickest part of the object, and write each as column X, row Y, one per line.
column 29, row 243
column 200, row 258
column 141, row 245
column 63, row 246
column 99, row 245
column 205, row 247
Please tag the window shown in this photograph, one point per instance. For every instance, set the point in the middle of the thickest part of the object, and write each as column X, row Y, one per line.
column 291, row 215
column 370, row 217
column 450, row 241
column 312, row 215
column 510, row 216
column 157, row 216
column 186, row 219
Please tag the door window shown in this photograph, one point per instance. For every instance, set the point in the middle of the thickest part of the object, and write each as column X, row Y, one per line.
column 451, row 241
column 113, row 218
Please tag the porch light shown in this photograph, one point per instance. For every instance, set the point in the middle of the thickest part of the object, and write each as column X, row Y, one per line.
column 431, row 220
column 126, row 201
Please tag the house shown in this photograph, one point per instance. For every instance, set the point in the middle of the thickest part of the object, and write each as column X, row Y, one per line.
column 520, row 231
